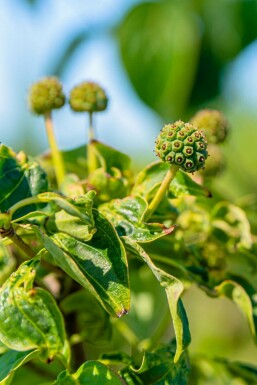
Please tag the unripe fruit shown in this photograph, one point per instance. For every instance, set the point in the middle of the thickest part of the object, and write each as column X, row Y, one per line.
column 46, row 95
column 214, row 124
column 183, row 145
column 88, row 97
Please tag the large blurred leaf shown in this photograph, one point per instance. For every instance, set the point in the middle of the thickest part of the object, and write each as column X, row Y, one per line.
column 164, row 38
column 99, row 265
column 30, row 318
column 91, row 318
column 11, row 361
column 127, row 217
column 19, row 179
column 151, row 177
column 109, row 157
column 90, row 373
column 174, row 289
column 158, row 368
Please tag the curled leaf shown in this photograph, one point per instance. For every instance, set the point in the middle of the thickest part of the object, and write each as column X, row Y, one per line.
column 29, row 317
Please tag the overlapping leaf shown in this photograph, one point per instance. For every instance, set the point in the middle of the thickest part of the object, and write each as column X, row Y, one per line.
column 90, row 373
column 19, row 179
column 174, row 289
column 127, row 215
column 30, row 318
column 13, row 360
column 99, row 265
column 158, row 368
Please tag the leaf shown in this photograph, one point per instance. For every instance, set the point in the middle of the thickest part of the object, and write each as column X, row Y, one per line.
column 164, row 41
column 151, row 177
column 158, row 368
column 12, row 360
column 230, row 223
column 127, row 215
column 90, row 373
column 245, row 297
column 206, row 371
column 29, row 317
column 99, row 265
column 19, row 179
column 75, row 219
column 110, row 158
column 174, row 289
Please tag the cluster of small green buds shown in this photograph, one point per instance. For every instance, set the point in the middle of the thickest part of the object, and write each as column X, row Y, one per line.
column 46, row 95
column 213, row 123
column 183, row 145
column 88, row 97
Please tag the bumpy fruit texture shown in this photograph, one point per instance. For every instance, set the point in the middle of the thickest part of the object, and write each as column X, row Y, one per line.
column 88, row 97
column 46, row 95
column 183, row 145
column 213, row 123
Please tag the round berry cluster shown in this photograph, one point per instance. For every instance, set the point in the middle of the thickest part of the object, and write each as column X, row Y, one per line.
column 182, row 144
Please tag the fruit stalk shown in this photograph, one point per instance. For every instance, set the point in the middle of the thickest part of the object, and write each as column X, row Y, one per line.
column 161, row 191
column 56, row 155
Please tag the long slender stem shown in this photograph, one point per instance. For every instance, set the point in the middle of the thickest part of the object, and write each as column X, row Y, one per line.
column 91, row 156
column 56, row 155
column 161, row 191
column 91, row 131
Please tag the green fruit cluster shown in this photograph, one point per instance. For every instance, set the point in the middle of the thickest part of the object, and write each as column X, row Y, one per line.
column 88, row 96
column 214, row 124
column 183, row 145
column 46, row 95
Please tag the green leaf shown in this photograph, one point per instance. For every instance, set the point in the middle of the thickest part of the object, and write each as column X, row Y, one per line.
column 127, row 215
column 12, row 360
column 109, row 157
column 30, row 318
column 19, row 179
column 206, row 371
column 245, row 297
column 75, row 219
column 151, row 177
column 165, row 41
column 99, row 265
column 231, row 224
column 158, row 368
column 174, row 289
column 90, row 373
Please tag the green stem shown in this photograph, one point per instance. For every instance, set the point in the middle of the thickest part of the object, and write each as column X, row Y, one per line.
column 91, row 131
column 91, row 155
column 10, row 233
column 23, row 203
column 56, row 154
column 161, row 191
